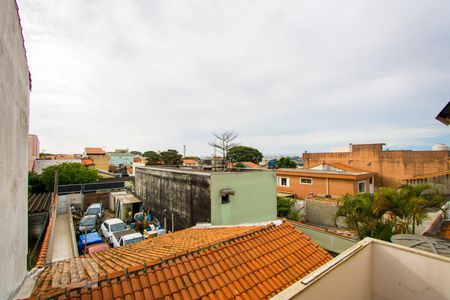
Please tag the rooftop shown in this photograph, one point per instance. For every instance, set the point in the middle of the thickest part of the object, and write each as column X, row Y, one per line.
column 251, row 262
column 199, row 171
column 94, row 151
column 328, row 170
column 38, row 203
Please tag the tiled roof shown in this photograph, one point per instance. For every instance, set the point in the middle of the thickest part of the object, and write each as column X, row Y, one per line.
column 94, row 150
column 430, row 175
column 43, row 254
column 445, row 230
column 116, row 259
column 347, row 168
column 255, row 265
column 38, row 203
column 87, row 162
column 250, row 164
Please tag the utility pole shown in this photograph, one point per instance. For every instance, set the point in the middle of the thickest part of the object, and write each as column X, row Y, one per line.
column 184, row 150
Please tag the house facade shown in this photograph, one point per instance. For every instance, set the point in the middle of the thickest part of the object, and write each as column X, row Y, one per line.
column 219, row 198
column 99, row 156
column 324, row 180
column 121, row 158
column 392, row 166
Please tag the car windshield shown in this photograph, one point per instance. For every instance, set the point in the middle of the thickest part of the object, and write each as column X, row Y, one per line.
column 93, row 211
column 135, row 240
column 87, row 222
column 118, row 227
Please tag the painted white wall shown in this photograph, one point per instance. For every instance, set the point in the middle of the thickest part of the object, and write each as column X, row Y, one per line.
column 14, row 107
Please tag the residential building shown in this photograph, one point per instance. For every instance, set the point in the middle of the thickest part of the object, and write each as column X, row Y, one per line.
column 220, row 198
column 41, row 164
column 324, row 180
column 391, row 166
column 190, row 162
column 33, row 150
column 15, row 86
column 378, row 270
column 441, row 180
column 242, row 262
column 121, row 158
column 99, row 156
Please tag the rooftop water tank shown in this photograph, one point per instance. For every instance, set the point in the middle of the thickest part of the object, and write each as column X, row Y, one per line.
column 440, row 147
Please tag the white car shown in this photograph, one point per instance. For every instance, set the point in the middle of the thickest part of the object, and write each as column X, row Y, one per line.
column 126, row 237
column 111, row 226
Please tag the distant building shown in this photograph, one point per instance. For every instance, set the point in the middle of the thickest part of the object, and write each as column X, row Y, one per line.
column 190, row 162
column 391, row 166
column 219, row 198
column 33, row 150
column 121, row 158
column 41, row 164
column 332, row 180
column 99, row 156
column 15, row 85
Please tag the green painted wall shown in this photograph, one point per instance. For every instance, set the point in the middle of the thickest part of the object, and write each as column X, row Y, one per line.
column 254, row 199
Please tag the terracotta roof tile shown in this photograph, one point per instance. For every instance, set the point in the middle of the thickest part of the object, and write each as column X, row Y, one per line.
column 220, row 271
column 94, row 150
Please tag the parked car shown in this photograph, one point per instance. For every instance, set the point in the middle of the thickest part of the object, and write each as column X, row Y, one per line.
column 95, row 209
column 89, row 223
column 96, row 248
column 112, row 225
column 126, row 237
column 88, row 239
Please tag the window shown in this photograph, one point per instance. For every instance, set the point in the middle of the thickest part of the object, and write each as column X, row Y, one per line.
column 283, row 181
column 361, row 186
column 304, row 180
column 225, row 199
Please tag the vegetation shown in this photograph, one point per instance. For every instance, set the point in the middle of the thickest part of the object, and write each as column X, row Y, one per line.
column 68, row 173
column 244, row 153
column 35, row 184
column 153, row 158
column 286, row 162
column 388, row 211
column 136, row 152
column 284, row 206
column 170, row 157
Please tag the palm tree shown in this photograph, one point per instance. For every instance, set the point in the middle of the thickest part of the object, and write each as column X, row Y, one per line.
column 419, row 199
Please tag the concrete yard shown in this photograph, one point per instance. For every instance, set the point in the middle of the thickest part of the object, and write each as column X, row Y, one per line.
column 62, row 246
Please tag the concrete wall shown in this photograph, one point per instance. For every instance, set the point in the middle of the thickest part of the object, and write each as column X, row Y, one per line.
column 33, row 150
column 187, row 195
column 14, row 107
column 100, row 161
column 254, row 199
column 320, row 212
column 392, row 166
column 121, row 159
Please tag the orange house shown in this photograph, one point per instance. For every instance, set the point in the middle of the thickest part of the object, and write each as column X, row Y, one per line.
column 334, row 180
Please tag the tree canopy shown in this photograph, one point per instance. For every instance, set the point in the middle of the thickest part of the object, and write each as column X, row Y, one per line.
column 244, row 153
column 68, row 173
column 153, row 158
column 388, row 211
column 170, row 157
column 286, row 162
column 224, row 141
column 136, row 152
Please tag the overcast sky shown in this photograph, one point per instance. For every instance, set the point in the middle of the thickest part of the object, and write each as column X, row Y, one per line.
column 289, row 76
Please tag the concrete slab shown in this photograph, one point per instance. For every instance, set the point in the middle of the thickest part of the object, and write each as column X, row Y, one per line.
column 62, row 246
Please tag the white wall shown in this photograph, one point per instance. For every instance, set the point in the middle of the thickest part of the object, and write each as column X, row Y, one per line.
column 14, row 103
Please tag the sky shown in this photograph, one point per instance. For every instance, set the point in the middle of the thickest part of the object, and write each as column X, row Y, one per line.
column 288, row 76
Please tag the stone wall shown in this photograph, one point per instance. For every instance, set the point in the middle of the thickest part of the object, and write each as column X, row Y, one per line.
column 391, row 166
column 14, row 107
column 186, row 195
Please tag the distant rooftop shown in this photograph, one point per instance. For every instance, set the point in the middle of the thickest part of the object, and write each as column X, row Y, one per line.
column 327, row 169
column 94, row 150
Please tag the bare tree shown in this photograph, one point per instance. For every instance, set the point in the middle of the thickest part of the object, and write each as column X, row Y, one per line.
column 224, row 141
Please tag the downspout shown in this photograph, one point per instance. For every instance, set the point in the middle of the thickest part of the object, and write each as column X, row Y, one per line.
column 328, row 187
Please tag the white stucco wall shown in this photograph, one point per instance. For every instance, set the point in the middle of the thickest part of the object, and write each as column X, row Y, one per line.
column 14, row 106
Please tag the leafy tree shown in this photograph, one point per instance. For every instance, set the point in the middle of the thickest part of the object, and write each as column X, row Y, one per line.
column 284, row 206
column 244, row 153
column 192, row 157
column 171, row 157
column 136, row 152
column 68, row 173
column 153, row 158
column 35, row 183
column 286, row 162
